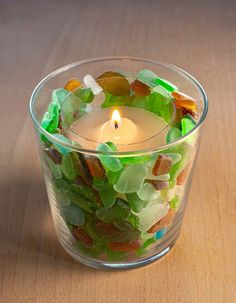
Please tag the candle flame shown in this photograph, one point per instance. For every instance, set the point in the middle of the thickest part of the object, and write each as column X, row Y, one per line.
column 116, row 118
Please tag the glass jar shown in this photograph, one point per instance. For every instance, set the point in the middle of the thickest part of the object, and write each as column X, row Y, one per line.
column 99, row 219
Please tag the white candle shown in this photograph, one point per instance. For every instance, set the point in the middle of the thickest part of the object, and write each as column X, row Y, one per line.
column 129, row 128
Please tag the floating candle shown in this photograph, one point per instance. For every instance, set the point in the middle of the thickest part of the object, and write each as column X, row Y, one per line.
column 125, row 126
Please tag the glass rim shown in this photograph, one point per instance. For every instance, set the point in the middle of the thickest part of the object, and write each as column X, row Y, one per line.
column 148, row 150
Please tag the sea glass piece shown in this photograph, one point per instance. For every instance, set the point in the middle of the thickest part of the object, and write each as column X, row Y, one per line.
column 185, row 105
column 147, row 192
column 151, row 214
column 187, row 125
column 62, row 197
column 81, row 235
column 54, row 119
column 176, row 121
column 140, row 102
column 190, row 115
column 165, row 177
column 72, row 109
column 131, row 178
column 67, row 167
column 161, row 233
column 73, row 214
column 174, row 202
column 183, row 101
column 58, row 96
column 124, row 226
column 62, row 149
column 106, row 228
column 175, row 157
column 82, row 166
column 170, row 87
column 139, row 88
column 159, row 105
column 90, row 82
column 120, row 210
column 90, row 228
column 133, row 220
column 115, row 256
column 159, row 184
column 80, row 201
column 165, row 221
column 108, row 195
column 72, row 84
column 47, row 122
column 112, row 146
column 151, row 79
column 167, row 194
column 99, row 183
column 111, row 100
column 83, row 189
column 81, row 194
column 111, row 163
column 147, row 77
column 114, row 83
column 95, row 167
column 185, row 150
column 53, row 110
column 173, row 134
column 126, row 232
column 76, row 161
column 135, row 159
column 85, row 94
column 145, row 245
column 162, row 165
column 113, row 176
column 125, row 246
column 126, row 236
column 148, row 242
column 57, row 130
column 162, row 92
column 54, row 155
column 182, row 177
column 54, row 168
column 135, row 202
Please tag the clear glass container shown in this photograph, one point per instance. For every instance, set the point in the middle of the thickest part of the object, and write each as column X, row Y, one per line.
column 100, row 221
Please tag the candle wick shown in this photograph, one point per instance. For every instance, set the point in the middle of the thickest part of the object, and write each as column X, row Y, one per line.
column 116, row 124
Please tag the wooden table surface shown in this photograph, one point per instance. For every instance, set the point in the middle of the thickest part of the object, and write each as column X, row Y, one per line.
column 37, row 37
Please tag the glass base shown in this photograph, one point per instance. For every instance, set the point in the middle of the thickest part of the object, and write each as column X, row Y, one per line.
column 161, row 250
